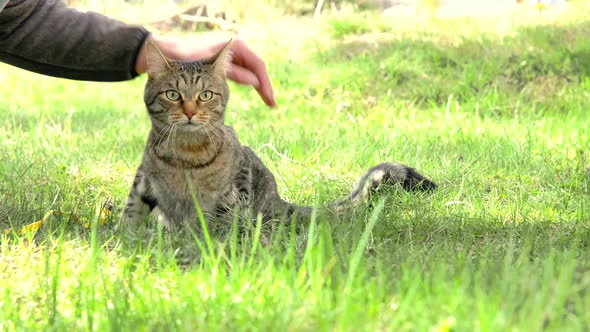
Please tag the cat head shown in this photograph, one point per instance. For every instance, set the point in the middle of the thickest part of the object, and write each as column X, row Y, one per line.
column 187, row 97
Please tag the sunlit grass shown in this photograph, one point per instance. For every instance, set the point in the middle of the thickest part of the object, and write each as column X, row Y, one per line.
column 496, row 115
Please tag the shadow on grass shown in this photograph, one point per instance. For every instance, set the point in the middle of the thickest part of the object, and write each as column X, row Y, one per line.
column 426, row 239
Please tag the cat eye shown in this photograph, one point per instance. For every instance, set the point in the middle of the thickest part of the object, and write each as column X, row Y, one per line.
column 172, row 95
column 205, row 95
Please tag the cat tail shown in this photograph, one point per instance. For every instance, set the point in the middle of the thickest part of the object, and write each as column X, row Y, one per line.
column 384, row 174
column 387, row 174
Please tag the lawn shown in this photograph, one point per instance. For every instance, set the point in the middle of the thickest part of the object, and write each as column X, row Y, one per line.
column 493, row 110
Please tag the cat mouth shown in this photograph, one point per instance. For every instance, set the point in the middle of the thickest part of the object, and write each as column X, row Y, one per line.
column 190, row 125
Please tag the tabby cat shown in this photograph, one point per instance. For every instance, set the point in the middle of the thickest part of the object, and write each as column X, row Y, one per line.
column 191, row 151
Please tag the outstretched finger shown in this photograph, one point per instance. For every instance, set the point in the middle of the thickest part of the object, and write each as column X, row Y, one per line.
column 249, row 61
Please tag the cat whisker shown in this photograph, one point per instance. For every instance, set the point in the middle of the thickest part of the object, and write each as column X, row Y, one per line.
column 159, row 139
column 208, row 133
column 163, row 135
column 216, row 131
column 211, row 132
column 172, row 135
column 168, row 134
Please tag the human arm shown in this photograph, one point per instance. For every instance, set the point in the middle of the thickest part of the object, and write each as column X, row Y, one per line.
column 50, row 38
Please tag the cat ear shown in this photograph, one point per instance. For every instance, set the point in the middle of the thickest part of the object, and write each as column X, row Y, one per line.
column 156, row 61
column 222, row 60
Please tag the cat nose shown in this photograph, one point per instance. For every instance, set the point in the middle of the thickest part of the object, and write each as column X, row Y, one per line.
column 189, row 109
column 189, row 114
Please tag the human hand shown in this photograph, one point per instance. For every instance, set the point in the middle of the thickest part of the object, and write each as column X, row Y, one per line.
column 246, row 67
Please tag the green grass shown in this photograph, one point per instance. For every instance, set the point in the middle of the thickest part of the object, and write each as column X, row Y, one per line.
column 498, row 119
